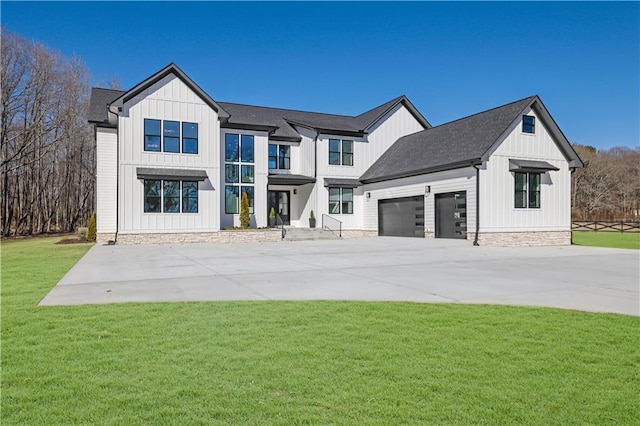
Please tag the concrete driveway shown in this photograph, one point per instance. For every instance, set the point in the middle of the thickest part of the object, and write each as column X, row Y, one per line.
column 383, row 268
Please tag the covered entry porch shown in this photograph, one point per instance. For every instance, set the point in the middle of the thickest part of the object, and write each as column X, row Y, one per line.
column 289, row 197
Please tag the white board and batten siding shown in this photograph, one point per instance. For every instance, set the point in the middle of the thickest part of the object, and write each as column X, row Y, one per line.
column 389, row 128
column 439, row 183
column 168, row 99
column 106, row 179
column 497, row 184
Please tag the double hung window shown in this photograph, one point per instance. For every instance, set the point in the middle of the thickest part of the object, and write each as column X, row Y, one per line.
column 340, row 152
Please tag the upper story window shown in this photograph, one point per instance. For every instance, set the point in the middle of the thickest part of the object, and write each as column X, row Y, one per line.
column 279, row 156
column 165, row 136
column 189, row 138
column 527, row 190
column 340, row 200
column 340, row 152
column 238, row 171
column 152, row 135
column 171, row 136
column 528, row 124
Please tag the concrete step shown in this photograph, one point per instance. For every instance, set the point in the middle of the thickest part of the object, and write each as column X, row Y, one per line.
column 309, row 234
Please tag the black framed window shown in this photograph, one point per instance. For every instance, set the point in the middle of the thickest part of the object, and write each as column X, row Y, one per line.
column 527, row 190
column 165, row 136
column 152, row 196
column 189, row 197
column 239, row 169
column 249, row 191
column 152, row 135
column 189, row 138
column 231, row 147
column 284, row 157
column 347, row 153
column 246, row 174
column 334, row 151
column 273, row 156
column 170, row 196
column 231, row 202
column 528, row 124
column 340, row 200
column 279, row 156
column 340, row 152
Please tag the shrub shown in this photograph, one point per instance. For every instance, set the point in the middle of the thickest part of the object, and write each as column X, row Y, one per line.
column 91, row 233
column 312, row 215
column 272, row 212
column 245, row 219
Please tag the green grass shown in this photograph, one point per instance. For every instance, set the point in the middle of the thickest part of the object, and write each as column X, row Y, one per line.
column 303, row 362
column 627, row 240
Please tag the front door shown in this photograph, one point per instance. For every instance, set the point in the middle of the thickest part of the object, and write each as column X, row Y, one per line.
column 279, row 201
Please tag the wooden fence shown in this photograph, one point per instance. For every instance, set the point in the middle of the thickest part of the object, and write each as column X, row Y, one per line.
column 606, row 226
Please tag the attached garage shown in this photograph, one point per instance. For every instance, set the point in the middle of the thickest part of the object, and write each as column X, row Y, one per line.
column 451, row 215
column 401, row 217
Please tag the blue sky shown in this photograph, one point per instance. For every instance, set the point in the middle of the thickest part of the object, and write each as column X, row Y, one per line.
column 450, row 59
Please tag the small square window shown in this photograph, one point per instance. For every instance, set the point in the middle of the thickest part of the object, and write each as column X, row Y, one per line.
column 528, row 124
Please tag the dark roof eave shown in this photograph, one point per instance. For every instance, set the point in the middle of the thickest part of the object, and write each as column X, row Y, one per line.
column 248, row 126
column 284, row 138
column 103, row 124
column 428, row 170
column 354, row 134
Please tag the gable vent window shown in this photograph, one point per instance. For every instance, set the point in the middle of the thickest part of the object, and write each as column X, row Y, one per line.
column 528, row 124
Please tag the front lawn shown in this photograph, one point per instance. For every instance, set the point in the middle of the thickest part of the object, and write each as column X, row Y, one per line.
column 303, row 362
column 626, row 240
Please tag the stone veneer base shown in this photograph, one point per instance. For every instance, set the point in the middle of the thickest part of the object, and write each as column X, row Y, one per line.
column 227, row 236
column 104, row 238
column 358, row 233
column 523, row 239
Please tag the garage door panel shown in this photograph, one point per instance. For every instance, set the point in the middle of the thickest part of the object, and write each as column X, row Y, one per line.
column 401, row 217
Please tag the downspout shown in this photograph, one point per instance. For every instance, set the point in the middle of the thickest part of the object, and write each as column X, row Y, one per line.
column 475, row 240
column 115, row 238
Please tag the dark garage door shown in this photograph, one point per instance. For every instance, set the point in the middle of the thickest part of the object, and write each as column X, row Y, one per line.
column 401, row 217
column 451, row 215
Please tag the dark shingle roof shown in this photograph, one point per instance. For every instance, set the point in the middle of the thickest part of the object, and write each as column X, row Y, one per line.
column 278, row 121
column 100, row 98
column 282, row 120
column 450, row 145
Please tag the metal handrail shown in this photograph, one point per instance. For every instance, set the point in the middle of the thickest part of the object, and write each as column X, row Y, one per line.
column 336, row 224
column 283, row 231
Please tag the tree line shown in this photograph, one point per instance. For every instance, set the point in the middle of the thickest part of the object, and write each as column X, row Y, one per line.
column 46, row 144
column 48, row 157
column 608, row 187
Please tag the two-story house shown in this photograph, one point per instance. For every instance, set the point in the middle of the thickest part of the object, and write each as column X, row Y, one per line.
column 172, row 162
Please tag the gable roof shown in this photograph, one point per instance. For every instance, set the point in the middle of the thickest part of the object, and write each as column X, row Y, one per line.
column 460, row 143
column 171, row 69
column 367, row 119
column 279, row 122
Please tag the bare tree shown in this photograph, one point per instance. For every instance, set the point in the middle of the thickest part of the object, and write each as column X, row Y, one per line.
column 47, row 161
column 608, row 187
